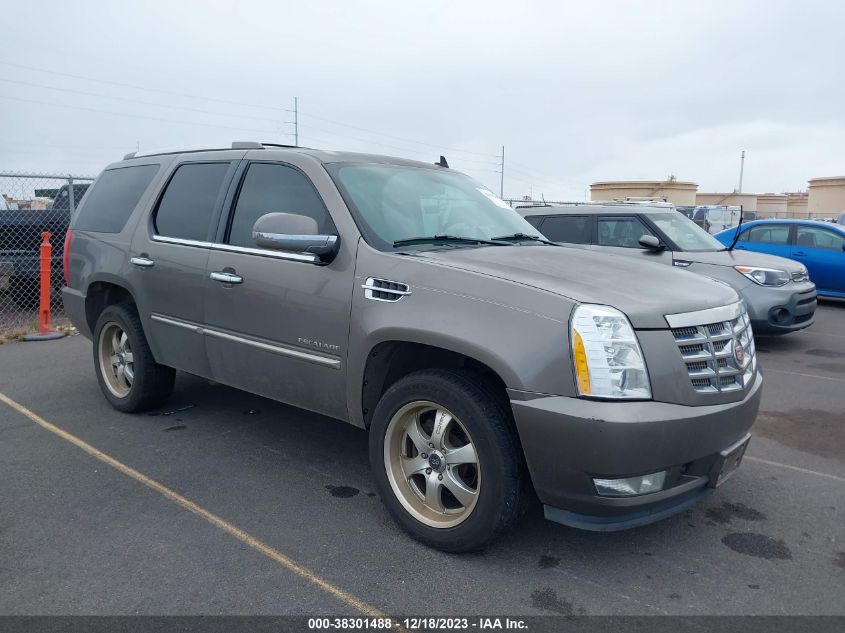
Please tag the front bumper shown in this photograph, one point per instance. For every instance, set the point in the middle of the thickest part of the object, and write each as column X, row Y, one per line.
column 569, row 441
column 780, row 310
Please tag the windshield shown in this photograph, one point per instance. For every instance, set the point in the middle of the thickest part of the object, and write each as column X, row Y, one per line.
column 394, row 203
column 685, row 233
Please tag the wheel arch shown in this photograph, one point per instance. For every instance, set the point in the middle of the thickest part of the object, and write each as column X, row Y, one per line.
column 389, row 360
column 102, row 293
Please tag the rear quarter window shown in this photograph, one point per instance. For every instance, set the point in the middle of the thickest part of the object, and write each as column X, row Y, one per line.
column 111, row 200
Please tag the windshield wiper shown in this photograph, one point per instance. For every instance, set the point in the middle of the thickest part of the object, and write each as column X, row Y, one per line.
column 445, row 238
column 525, row 236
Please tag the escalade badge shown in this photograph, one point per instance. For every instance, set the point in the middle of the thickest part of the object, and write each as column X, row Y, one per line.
column 739, row 353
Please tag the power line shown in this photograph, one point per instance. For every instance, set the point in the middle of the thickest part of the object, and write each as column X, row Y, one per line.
column 229, row 102
column 135, row 101
column 137, row 87
column 397, row 138
column 137, row 116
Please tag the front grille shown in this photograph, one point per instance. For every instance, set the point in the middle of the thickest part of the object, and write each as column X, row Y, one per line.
column 710, row 357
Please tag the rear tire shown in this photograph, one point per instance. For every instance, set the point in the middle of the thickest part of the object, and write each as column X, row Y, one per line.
column 129, row 377
column 446, row 459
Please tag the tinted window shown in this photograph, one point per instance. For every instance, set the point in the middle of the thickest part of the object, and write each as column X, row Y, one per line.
column 112, row 199
column 617, row 231
column 573, row 229
column 767, row 234
column 812, row 237
column 534, row 220
column 275, row 189
column 186, row 208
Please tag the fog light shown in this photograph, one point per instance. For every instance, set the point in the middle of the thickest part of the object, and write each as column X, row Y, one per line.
column 630, row 486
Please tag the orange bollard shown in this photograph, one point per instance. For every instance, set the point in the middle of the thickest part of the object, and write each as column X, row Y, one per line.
column 46, row 263
column 44, row 301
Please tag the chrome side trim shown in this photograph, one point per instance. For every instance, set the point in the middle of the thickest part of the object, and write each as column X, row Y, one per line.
column 297, row 257
column 187, row 325
column 334, row 363
column 326, row 361
column 713, row 315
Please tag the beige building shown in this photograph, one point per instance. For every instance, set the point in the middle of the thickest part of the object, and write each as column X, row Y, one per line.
column 745, row 200
column 827, row 196
column 675, row 191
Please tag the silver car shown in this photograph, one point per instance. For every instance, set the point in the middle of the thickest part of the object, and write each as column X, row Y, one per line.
column 778, row 292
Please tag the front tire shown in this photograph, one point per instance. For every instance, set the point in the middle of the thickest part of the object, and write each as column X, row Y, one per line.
column 129, row 377
column 446, row 459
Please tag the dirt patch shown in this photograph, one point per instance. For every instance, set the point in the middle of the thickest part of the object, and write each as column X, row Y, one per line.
column 548, row 600
column 548, row 562
column 343, row 492
column 824, row 353
column 813, row 431
column 757, row 545
column 728, row 511
column 839, row 560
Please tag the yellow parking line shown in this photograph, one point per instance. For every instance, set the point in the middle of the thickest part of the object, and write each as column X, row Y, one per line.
column 286, row 562
column 806, row 471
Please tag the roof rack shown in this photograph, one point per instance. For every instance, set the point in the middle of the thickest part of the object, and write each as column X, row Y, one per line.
column 202, row 148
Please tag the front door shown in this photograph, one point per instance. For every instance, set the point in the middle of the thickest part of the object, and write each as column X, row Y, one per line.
column 277, row 323
column 620, row 234
column 820, row 250
column 771, row 238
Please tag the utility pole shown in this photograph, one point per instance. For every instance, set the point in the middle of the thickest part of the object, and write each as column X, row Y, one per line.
column 502, row 175
column 296, row 121
column 741, row 169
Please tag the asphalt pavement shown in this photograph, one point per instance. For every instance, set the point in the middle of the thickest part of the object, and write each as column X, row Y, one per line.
column 266, row 509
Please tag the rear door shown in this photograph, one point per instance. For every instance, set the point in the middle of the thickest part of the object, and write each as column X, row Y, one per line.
column 820, row 250
column 567, row 229
column 168, row 259
column 280, row 329
column 769, row 237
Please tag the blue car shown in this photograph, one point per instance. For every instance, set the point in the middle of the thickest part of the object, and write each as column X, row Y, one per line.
column 819, row 246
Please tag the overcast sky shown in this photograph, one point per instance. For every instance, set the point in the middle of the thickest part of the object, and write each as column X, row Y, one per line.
column 575, row 91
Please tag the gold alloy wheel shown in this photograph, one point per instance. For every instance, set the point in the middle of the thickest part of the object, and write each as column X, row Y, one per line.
column 116, row 361
column 432, row 464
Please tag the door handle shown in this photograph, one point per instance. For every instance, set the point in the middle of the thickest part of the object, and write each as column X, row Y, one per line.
column 141, row 261
column 226, row 278
column 800, row 253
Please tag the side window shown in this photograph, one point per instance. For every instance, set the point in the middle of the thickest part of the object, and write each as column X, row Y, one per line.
column 534, row 220
column 621, row 231
column 812, row 237
column 572, row 229
column 269, row 188
column 767, row 234
column 187, row 205
column 111, row 201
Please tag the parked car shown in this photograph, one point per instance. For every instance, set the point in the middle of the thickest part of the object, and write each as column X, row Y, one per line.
column 819, row 247
column 779, row 295
column 407, row 299
column 20, row 244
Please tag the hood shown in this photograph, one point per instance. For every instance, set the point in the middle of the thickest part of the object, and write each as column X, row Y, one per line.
column 644, row 291
column 739, row 258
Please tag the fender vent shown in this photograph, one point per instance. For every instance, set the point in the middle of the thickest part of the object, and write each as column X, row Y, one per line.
column 384, row 290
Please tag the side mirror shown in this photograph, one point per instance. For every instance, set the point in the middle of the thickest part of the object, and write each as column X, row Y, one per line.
column 651, row 243
column 294, row 233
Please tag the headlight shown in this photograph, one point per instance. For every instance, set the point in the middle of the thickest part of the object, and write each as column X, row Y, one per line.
column 608, row 360
column 764, row 276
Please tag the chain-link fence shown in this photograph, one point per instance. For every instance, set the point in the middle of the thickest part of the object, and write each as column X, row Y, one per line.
column 31, row 204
